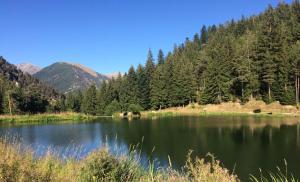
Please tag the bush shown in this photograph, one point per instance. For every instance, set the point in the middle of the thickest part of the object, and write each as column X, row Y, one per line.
column 135, row 108
column 103, row 166
column 112, row 108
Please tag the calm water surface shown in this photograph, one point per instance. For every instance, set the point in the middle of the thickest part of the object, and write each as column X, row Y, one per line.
column 243, row 143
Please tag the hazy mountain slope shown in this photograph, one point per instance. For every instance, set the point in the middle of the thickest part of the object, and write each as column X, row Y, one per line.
column 28, row 68
column 67, row 77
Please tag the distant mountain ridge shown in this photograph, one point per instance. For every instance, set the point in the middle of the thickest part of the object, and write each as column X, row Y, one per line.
column 28, row 68
column 67, row 77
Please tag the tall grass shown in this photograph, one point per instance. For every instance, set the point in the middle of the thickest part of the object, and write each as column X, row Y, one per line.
column 19, row 164
column 279, row 176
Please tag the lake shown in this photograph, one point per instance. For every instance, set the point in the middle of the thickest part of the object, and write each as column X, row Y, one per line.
column 242, row 143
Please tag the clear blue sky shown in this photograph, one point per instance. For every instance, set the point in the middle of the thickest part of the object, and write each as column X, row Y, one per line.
column 107, row 35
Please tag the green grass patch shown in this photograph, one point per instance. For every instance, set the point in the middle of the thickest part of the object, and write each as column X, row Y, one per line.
column 158, row 114
column 46, row 118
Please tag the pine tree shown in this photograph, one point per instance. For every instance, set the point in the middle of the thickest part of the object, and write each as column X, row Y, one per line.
column 101, row 99
column 268, row 52
column 158, row 88
column 133, row 86
column 89, row 102
column 246, row 83
column 149, row 70
column 160, row 57
column 295, row 61
column 142, row 88
column 204, row 35
column 219, row 82
column 295, row 9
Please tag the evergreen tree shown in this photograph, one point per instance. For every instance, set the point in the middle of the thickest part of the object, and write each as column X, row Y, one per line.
column 268, row 52
column 158, row 88
column 101, row 99
column 149, row 70
column 160, row 57
column 89, row 102
column 142, row 88
column 133, row 86
column 295, row 71
column 204, row 35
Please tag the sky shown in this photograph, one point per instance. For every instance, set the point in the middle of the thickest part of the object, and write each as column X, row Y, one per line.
column 108, row 35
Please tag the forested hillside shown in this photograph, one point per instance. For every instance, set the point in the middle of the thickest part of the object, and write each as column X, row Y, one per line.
column 21, row 93
column 254, row 57
column 68, row 77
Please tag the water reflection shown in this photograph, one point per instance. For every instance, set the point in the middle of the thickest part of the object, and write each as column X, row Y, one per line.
column 249, row 143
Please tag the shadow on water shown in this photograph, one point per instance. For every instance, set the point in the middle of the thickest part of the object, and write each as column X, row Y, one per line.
column 243, row 143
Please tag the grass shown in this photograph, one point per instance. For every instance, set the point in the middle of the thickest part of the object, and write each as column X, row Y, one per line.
column 279, row 176
column 151, row 114
column 274, row 109
column 67, row 116
column 19, row 164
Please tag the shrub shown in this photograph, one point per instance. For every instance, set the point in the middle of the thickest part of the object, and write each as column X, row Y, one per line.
column 199, row 170
column 103, row 166
column 135, row 108
column 112, row 108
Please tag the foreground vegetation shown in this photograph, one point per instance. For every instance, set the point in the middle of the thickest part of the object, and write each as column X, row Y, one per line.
column 99, row 165
column 50, row 117
column 17, row 164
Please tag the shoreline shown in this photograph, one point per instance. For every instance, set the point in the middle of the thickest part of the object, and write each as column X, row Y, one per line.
column 166, row 113
column 251, row 108
column 47, row 117
column 224, row 109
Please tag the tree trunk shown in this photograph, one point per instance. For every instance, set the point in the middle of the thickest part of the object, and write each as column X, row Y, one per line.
column 9, row 104
column 242, row 90
column 269, row 92
column 296, row 90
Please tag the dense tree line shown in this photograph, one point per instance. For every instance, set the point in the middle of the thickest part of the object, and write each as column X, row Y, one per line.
column 255, row 57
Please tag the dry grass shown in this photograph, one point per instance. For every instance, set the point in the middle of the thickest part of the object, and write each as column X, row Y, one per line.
column 274, row 109
column 18, row 165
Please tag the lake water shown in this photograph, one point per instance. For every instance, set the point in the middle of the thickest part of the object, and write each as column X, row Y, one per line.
column 242, row 143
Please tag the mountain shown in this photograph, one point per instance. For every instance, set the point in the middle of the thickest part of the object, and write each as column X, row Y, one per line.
column 67, row 77
column 113, row 75
column 28, row 68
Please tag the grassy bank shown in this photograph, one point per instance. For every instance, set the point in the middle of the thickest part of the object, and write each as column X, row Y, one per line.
column 67, row 116
column 17, row 164
column 168, row 113
column 254, row 108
